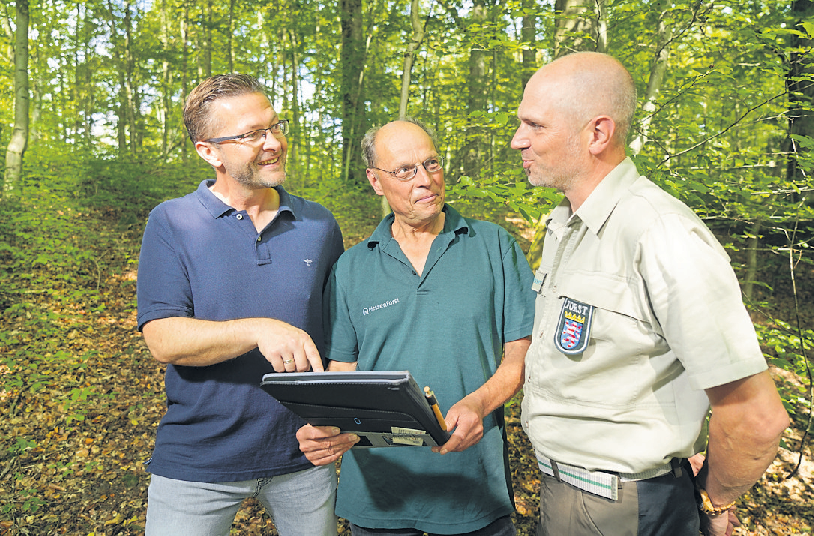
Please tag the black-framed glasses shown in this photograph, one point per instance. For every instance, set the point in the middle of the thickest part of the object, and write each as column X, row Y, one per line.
column 255, row 137
column 434, row 164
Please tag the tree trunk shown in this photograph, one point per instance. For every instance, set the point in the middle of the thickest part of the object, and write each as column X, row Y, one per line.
column 130, row 103
column 88, row 100
column 577, row 19
column 184, row 71
column 206, row 40
column 801, row 93
column 77, row 90
column 121, row 117
column 36, row 112
column 283, row 42
column 19, row 135
column 8, row 49
column 295, row 109
column 409, row 57
column 352, row 58
column 752, row 260
column 601, row 26
column 229, row 39
column 477, row 98
column 165, row 80
column 529, row 36
column 654, row 81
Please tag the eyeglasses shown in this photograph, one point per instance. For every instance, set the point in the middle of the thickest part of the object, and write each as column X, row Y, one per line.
column 255, row 137
column 433, row 164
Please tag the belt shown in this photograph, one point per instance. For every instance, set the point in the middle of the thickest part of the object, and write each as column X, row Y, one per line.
column 604, row 484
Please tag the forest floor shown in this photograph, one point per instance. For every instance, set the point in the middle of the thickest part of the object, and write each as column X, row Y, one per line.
column 78, row 423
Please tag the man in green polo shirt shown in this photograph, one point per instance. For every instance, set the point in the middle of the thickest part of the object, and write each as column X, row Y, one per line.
column 444, row 297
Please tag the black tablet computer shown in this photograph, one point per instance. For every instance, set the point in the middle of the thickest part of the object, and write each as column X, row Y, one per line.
column 385, row 409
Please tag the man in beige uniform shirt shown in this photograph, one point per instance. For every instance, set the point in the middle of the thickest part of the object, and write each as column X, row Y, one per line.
column 639, row 329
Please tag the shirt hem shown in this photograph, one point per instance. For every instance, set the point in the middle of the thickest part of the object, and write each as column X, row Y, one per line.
column 232, row 476
column 457, row 527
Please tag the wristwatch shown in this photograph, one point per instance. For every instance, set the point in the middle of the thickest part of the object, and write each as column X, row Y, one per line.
column 708, row 508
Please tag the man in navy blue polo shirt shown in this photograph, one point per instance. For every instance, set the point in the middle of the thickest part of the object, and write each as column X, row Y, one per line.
column 229, row 288
column 448, row 298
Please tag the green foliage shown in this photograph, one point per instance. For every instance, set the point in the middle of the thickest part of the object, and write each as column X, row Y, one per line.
column 22, row 444
column 107, row 140
column 787, row 348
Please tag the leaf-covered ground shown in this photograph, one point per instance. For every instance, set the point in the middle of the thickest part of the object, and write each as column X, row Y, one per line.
column 82, row 397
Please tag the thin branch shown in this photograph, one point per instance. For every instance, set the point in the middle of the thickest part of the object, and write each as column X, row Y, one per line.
column 722, row 132
column 706, row 9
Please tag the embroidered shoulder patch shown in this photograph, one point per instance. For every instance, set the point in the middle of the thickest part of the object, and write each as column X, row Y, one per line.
column 574, row 327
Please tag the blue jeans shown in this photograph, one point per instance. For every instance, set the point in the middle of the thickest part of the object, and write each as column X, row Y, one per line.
column 300, row 504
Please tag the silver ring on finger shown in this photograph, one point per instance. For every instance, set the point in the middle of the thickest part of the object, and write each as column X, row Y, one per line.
column 287, row 361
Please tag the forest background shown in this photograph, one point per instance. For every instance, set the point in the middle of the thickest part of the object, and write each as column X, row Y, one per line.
column 90, row 113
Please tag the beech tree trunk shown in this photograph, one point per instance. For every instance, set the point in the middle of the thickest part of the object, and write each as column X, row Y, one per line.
column 801, row 92
column 19, row 136
column 577, row 19
column 352, row 59
column 529, row 36
column 657, row 70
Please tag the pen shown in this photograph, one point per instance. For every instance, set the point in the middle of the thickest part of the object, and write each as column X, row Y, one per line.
column 435, row 409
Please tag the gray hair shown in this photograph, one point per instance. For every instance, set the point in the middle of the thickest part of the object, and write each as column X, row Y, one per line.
column 369, row 140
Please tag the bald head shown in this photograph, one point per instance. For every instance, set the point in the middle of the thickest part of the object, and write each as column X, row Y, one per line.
column 584, row 85
column 408, row 124
column 574, row 118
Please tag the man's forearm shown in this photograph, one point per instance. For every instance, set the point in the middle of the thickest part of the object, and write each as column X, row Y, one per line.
column 507, row 379
column 466, row 416
column 734, row 464
column 747, row 422
column 197, row 343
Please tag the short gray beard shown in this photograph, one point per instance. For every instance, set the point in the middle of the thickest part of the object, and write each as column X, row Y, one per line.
column 248, row 176
column 564, row 178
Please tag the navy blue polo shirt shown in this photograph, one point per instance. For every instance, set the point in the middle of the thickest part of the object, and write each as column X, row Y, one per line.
column 201, row 258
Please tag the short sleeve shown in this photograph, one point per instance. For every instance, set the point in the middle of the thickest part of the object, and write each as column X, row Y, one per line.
column 518, row 306
column 163, row 287
column 340, row 335
column 697, row 300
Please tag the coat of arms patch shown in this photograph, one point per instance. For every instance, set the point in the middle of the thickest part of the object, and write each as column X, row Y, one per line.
column 574, row 327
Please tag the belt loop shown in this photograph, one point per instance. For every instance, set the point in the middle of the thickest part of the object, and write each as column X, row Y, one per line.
column 675, row 466
column 556, row 470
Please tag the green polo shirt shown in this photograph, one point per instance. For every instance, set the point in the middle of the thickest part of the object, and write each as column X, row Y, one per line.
column 447, row 327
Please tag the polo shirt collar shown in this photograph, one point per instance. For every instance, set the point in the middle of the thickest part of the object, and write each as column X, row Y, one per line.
column 601, row 203
column 218, row 208
column 285, row 202
column 454, row 223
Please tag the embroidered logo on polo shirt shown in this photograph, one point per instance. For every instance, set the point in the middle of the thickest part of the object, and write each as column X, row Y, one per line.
column 368, row 310
column 307, row 261
column 574, row 327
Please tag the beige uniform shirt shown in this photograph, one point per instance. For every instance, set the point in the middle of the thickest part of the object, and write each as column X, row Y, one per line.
column 638, row 311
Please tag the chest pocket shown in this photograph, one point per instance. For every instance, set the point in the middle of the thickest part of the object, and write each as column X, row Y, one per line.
column 618, row 304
